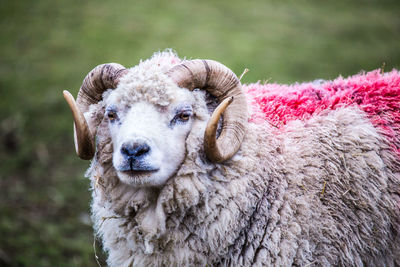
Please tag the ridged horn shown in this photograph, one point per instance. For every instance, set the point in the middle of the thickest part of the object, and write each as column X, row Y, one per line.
column 100, row 79
column 222, row 83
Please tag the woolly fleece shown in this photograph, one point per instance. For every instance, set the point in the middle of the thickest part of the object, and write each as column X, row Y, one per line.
column 375, row 93
column 320, row 186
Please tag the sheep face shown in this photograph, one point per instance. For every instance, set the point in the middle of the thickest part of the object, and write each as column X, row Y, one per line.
column 148, row 137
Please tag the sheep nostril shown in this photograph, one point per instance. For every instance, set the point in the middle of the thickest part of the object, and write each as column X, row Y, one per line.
column 143, row 150
column 135, row 151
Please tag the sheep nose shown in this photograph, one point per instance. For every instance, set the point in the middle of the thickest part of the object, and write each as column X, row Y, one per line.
column 135, row 150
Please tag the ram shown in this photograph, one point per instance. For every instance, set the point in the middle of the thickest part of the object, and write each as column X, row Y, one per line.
column 265, row 175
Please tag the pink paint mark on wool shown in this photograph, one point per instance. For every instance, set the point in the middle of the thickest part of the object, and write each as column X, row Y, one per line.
column 376, row 93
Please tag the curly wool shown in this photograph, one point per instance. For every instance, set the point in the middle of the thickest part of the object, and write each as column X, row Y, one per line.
column 374, row 92
column 323, row 190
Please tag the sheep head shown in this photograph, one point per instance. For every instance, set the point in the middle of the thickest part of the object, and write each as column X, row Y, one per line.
column 148, row 127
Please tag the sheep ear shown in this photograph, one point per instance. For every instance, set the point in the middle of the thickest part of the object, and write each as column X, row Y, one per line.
column 83, row 138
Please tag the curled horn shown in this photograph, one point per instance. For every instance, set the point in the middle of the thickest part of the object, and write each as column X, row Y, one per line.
column 101, row 78
column 222, row 83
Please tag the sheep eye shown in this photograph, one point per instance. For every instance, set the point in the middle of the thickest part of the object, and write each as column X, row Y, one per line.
column 184, row 116
column 181, row 117
column 112, row 115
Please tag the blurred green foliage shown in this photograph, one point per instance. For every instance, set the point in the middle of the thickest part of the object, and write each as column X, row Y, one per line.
column 47, row 46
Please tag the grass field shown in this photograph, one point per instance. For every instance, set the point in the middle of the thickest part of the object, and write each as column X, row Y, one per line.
column 48, row 46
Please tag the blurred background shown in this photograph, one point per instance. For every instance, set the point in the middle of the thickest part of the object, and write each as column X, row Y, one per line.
column 47, row 46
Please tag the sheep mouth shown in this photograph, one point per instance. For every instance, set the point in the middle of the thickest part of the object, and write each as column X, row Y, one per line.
column 136, row 173
column 135, row 168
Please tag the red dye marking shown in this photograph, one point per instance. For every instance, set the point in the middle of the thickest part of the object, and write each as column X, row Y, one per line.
column 377, row 94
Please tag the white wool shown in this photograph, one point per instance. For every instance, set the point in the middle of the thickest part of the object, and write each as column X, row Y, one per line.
column 320, row 192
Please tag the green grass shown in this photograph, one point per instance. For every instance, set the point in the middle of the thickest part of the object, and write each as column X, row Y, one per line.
column 48, row 46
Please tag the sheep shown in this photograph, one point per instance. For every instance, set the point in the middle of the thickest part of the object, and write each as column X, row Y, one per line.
column 290, row 175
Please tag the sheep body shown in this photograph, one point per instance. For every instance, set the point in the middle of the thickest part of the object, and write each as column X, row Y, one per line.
column 318, row 189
